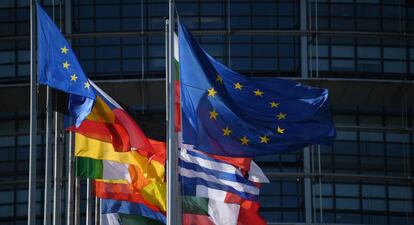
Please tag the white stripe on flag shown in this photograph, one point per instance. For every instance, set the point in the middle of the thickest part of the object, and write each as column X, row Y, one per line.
column 176, row 48
column 110, row 219
column 223, row 213
column 206, row 192
column 105, row 95
column 256, row 174
column 237, row 186
column 209, row 164
column 115, row 171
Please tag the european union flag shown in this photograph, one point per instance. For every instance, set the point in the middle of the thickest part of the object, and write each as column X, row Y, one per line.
column 59, row 68
column 225, row 113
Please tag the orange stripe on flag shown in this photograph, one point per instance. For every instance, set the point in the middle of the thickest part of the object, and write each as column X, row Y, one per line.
column 122, row 192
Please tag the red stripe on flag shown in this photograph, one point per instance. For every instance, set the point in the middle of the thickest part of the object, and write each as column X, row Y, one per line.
column 121, row 192
column 137, row 137
column 111, row 133
column 195, row 219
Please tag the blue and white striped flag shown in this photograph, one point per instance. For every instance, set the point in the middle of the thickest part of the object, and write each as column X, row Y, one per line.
column 207, row 177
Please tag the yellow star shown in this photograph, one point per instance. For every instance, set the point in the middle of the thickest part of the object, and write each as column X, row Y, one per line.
column 213, row 114
column 264, row 139
column 64, row 50
column 274, row 104
column 65, row 65
column 219, row 79
column 86, row 85
column 73, row 77
column 280, row 130
column 238, row 86
column 226, row 131
column 244, row 140
column 258, row 93
column 212, row 92
column 281, row 116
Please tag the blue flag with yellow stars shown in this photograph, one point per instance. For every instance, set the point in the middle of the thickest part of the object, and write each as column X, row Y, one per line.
column 229, row 114
column 59, row 68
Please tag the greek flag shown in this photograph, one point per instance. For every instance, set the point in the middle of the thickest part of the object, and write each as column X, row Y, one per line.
column 204, row 176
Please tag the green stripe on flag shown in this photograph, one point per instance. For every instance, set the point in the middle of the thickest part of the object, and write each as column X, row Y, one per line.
column 88, row 168
column 195, row 205
column 137, row 220
column 176, row 70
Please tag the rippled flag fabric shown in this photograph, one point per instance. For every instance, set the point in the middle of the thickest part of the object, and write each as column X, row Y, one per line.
column 225, row 113
column 59, row 68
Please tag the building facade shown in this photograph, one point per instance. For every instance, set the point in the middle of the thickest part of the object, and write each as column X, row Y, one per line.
column 361, row 50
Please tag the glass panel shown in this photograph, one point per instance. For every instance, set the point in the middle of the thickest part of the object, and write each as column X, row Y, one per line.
column 346, row 189
column 395, row 67
column 342, row 51
column 6, row 197
column 346, row 135
column 400, row 206
column 395, row 53
column 327, row 189
column 369, row 52
column 371, row 136
column 374, row 205
column 394, row 137
column 343, row 65
column 7, row 211
column 400, row 192
column 373, row 191
column 345, row 203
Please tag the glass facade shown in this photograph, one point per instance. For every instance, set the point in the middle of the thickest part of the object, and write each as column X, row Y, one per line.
column 365, row 177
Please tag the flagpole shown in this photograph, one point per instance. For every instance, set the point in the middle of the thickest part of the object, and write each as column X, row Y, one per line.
column 48, row 153
column 57, row 213
column 48, row 160
column 31, row 211
column 172, row 194
column 97, row 211
column 76, row 213
column 70, row 166
column 70, row 202
column 88, row 202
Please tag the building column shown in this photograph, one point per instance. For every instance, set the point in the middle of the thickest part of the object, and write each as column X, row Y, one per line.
column 304, row 74
column 303, row 40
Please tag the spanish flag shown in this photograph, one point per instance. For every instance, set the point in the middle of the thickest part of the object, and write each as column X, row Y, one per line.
column 109, row 122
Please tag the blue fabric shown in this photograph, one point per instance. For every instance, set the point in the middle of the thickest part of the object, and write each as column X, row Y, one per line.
column 188, row 187
column 59, row 68
column 306, row 109
column 130, row 208
column 218, row 174
column 189, row 183
column 79, row 108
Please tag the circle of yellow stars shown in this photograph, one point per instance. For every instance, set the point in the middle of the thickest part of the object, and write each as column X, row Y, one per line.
column 65, row 65
column 227, row 132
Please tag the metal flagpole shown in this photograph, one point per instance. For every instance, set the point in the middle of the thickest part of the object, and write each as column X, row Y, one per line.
column 76, row 214
column 70, row 167
column 69, row 210
column 97, row 211
column 88, row 201
column 31, row 211
column 172, row 194
column 48, row 159
column 48, row 152
column 57, row 214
